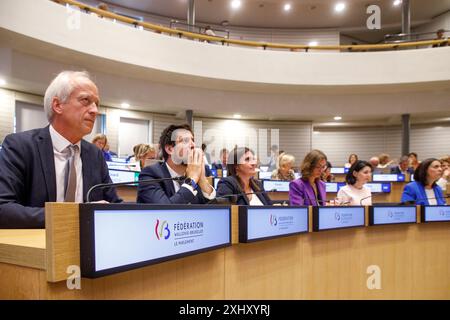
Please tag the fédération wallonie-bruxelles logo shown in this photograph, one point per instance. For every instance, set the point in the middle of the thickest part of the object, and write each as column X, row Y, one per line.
column 273, row 220
column 162, row 230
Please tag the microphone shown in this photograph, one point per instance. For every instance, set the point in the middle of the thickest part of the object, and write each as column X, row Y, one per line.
column 362, row 199
column 129, row 183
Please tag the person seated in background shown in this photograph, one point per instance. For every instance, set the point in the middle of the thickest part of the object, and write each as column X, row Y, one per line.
column 54, row 164
column 327, row 176
column 440, row 36
column 424, row 190
column 240, row 181
column 206, row 155
column 413, row 161
column 106, row 149
column 284, row 168
column 181, row 159
column 385, row 161
column 351, row 160
column 309, row 189
column 355, row 193
column 133, row 158
column 273, row 158
column 445, row 179
column 374, row 162
column 221, row 164
column 100, row 141
column 403, row 167
column 144, row 152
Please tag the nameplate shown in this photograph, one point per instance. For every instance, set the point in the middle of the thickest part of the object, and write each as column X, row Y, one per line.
column 123, row 175
column 120, row 237
column 276, row 185
column 264, row 175
column 328, row 218
column 388, row 177
column 379, row 187
column 392, row 215
column 435, row 213
column 339, row 170
column 268, row 222
column 333, row 187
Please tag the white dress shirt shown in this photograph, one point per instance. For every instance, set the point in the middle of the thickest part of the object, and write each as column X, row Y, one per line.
column 61, row 155
column 255, row 201
column 431, row 197
column 177, row 186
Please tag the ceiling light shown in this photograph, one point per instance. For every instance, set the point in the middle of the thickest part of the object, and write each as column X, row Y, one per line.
column 2, row 82
column 337, row 118
column 397, row 2
column 235, row 4
column 237, row 116
column 287, row 7
column 125, row 105
column 313, row 43
column 339, row 7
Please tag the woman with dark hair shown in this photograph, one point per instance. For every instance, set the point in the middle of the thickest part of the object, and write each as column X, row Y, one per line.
column 351, row 160
column 327, row 176
column 424, row 190
column 309, row 190
column 241, row 167
column 355, row 193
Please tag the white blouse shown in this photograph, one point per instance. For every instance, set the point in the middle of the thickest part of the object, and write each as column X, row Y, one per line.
column 349, row 195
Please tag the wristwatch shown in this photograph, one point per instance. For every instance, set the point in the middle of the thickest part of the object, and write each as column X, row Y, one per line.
column 191, row 182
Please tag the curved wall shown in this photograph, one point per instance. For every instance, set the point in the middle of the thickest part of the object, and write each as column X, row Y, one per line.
column 55, row 24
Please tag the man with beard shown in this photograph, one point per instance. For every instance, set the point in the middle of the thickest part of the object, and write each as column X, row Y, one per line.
column 181, row 159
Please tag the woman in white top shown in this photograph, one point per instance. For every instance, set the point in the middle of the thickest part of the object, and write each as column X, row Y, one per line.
column 445, row 179
column 355, row 193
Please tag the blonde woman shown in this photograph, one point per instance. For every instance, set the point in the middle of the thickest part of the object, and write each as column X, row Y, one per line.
column 142, row 153
column 100, row 141
column 284, row 168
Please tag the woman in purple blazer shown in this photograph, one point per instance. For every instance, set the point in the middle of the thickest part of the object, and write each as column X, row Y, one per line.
column 309, row 190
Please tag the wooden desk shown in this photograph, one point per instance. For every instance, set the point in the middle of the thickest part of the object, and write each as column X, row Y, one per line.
column 413, row 260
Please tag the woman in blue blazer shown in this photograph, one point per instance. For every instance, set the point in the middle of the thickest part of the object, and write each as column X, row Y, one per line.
column 241, row 168
column 424, row 189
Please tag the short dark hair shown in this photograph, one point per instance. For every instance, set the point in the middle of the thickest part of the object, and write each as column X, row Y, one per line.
column 166, row 137
column 356, row 167
column 420, row 174
column 329, row 165
column 412, row 154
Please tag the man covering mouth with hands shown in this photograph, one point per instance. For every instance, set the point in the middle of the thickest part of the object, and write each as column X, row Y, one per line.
column 181, row 158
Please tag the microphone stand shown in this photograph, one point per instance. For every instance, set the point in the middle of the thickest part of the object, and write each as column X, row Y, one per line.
column 129, row 183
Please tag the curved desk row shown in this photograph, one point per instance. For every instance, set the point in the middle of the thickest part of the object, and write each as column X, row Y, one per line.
column 402, row 261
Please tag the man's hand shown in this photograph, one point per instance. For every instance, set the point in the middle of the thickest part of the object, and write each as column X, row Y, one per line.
column 195, row 166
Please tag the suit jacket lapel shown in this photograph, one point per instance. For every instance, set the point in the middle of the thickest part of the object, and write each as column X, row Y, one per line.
column 45, row 149
column 86, row 169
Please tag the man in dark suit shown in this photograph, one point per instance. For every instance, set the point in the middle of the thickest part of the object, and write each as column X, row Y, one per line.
column 181, row 158
column 402, row 167
column 53, row 164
